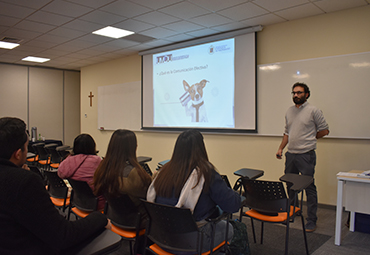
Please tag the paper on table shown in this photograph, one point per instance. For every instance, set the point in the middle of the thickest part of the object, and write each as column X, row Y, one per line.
column 347, row 174
column 364, row 174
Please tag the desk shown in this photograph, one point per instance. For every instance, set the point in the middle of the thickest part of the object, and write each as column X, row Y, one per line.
column 352, row 192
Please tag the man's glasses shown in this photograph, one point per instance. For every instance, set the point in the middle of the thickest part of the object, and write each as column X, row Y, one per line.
column 298, row 93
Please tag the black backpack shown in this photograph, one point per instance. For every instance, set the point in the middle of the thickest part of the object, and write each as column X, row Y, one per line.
column 239, row 245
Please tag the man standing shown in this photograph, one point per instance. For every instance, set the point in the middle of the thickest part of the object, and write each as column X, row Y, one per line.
column 304, row 124
column 29, row 222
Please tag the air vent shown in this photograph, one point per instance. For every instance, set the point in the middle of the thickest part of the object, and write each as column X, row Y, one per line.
column 11, row 40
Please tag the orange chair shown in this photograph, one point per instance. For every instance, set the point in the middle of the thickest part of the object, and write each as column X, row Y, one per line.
column 268, row 202
column 126, row 220
column 55, row 157
column 57, row 189
column 83, row 201
column 43, row 155
column 174, row 229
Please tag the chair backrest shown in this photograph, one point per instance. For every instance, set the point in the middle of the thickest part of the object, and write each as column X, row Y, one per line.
column 82, row 196
column 54, row 155
column 168, row 225
column 265, row 196
column 63, row 151
column 123, row 212
column 37, row 171
column 40, row 151
column 56, row 186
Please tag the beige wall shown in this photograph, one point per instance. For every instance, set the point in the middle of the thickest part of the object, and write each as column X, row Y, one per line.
column 45, row 98
column 338, row 33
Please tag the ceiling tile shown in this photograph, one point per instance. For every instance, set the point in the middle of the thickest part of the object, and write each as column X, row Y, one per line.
column 41, row 44
column 8, row 21
column 298, row 12
column 184, row 10
column 49, row 18
column 66, row 8
column 125, row 8
column 21, row 34
column 229, row 26
column 211, row 20
column 102, row 17
column 183, row 26
column 337, row 5
column 217, row 5
column 179, row 38
column 273, row 6
column 203, row 32
column 34, row 26
column 133, row 25
column 95, row 38
column 156, row 43
column 34, row 4
column 14, row 10
column 267, row 19
column 92, row 3
column 156, row 18
column 157, row 4
column 53, row 38
column 243, row 11
column 83, row 26
column 67, row 33
column 158, row 32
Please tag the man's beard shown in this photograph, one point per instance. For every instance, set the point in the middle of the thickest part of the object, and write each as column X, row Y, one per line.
column 298, row 100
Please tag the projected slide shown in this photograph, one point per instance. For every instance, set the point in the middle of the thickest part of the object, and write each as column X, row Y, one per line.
column 194, row 86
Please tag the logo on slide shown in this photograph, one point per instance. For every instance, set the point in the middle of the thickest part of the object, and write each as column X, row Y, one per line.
column 211, row 49
column 194, row 93
column 164, row 58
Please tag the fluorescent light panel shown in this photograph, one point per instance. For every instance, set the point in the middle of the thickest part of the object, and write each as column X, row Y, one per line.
column 8, row 45
column 35, row 59
column 113, row 32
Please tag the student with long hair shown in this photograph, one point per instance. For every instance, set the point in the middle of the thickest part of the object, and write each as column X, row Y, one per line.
column 189, row 180
column 120, row 173
column 83, row 162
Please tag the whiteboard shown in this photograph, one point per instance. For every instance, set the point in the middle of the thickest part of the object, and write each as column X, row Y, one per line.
column 119, row 106
column 339, row 85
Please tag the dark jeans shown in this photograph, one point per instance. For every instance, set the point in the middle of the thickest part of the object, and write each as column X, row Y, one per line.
column 305, row 165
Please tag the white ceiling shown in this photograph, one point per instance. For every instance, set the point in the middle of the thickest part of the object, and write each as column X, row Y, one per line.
column 62, row 29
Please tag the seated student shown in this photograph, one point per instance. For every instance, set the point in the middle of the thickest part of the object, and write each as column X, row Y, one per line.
column 120, row 172
column 189, row 180
column 81, row 165
column 29, row 222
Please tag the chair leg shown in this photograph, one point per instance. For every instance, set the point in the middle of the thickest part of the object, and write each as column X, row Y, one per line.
column 262, row 227
column 287, row 238
column 304, row 234
column 254, row 233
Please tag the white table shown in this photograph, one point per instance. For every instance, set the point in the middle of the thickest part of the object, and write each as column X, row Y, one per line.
column 353, row 195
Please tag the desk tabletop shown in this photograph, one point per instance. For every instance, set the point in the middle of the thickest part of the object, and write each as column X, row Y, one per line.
column 249, row 173
column 353, row 178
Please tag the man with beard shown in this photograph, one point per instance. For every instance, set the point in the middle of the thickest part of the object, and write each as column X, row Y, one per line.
column 30, row 224
column 304, row 124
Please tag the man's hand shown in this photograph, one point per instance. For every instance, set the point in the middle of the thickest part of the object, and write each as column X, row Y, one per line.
column 109, row 225
column 279, row 154
column 25, row 167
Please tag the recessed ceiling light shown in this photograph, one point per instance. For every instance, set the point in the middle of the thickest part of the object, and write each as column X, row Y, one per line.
column 35, row 59
column 8, row 45
column 113, row 32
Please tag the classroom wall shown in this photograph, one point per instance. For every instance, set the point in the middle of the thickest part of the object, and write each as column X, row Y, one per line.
column 338, row 33
column 46, row 98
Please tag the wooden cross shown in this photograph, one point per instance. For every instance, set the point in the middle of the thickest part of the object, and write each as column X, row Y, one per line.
column 91, row 96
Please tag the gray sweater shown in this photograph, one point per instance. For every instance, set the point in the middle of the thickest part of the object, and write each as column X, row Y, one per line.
column 301, row 125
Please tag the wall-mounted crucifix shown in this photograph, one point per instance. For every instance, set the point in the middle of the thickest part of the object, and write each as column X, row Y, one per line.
column 91, row 96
